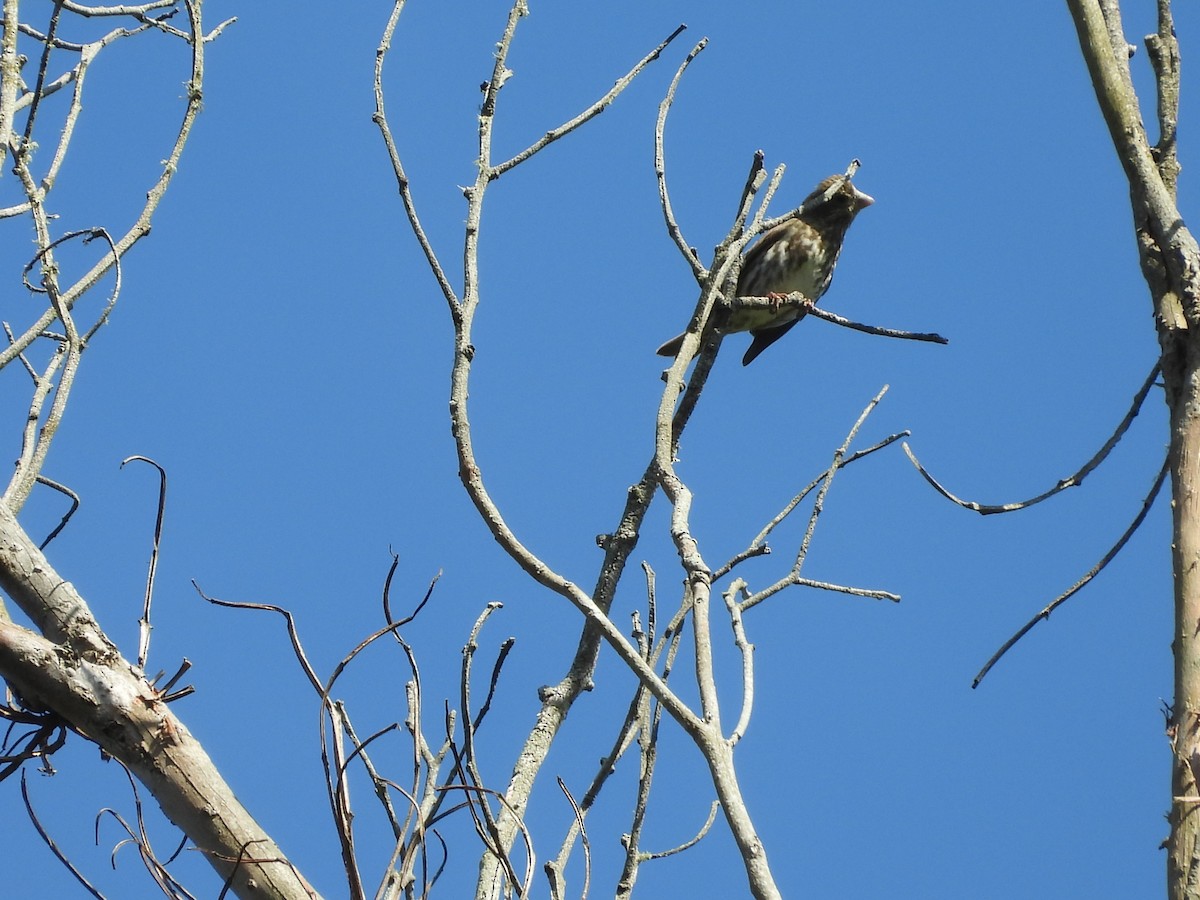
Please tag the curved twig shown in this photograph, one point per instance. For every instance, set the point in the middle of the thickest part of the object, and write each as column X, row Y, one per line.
column 1062, row 598
column 144, row 621
column 660, row 164
column 52, row 844
column 293, row 632
column 410, row 208
column 1063, row 484
column 746, row 650
column 693, row 841
column 74, row 497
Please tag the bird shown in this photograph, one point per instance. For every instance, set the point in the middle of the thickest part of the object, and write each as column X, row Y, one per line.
column 796, row 255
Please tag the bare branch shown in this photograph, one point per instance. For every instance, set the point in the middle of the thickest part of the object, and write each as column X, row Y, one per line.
column 692, row 841
column 587, row 847
column 1064, row 483
column 1163, row 50
column 141, row 225
column 144, row 622
column 746, row 649
column 758, row 546
column 140, row 9
column 380, row 119
column 1105, row 52
column 53, row 846
column 591, row 112
column 793, row 577
column 660, row 165
column 1062, row 598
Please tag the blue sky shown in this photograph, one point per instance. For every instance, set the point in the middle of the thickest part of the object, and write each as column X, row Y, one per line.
column 282, row 350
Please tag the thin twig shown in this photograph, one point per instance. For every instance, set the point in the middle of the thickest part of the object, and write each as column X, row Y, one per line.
column 74, row 498
column 694, row 840
column 144, row 621
column 1062, row 598
column 758, row 546
column 591, row 112
column 746, row 649
column 1068, row 482
column 53, row 846
column 660, row 164
column 839, row 457
column 583, row 837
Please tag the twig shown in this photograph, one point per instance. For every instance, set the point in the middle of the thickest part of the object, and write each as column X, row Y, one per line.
column 144, row 621
column 53, row 846
column 691, row 842
column 746, row 649
column 634, row 722
column 583, row 836
column 410, row 208
column 338, row 788
column 123, row 10
column 1063, row 484
column 839, row 456
column 293, row 632
column 518, row 885
column 74, row 497
column 660, row 163
column 502, row 654
column 141, row 226
column 758, row 546
column 815, row 311
column 1062, row 598
column 591, row 112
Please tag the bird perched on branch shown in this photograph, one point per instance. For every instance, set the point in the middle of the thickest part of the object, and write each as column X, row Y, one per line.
column 797, row 255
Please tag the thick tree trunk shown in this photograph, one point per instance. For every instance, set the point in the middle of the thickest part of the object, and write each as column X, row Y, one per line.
column 85, row 680
column 1183, row 860
column 1170, row 261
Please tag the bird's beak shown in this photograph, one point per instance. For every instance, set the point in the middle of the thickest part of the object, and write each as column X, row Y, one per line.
column 861, row 200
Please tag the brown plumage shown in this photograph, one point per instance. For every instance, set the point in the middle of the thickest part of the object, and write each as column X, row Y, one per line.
column 797, row 255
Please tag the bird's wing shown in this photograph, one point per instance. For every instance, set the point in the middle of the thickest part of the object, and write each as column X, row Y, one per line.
column 758, row 250
column 765, row 337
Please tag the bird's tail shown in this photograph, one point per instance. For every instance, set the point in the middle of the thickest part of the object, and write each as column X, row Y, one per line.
column 671, row 347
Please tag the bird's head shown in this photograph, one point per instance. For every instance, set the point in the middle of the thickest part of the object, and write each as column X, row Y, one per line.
column 836, row 201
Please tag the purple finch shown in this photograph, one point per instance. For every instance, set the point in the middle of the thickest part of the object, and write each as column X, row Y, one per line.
column 797, row 255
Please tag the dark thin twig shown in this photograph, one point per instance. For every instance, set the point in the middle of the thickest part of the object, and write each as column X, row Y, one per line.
column 293, row 632
column 1063, row 484
column 165, row 690
column 387, row 595
column 62, row 489
column 54, row 848
column 519, row 887
column 144, row 622
column 505, row 647
column 1092, row 573
column 38, row 91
